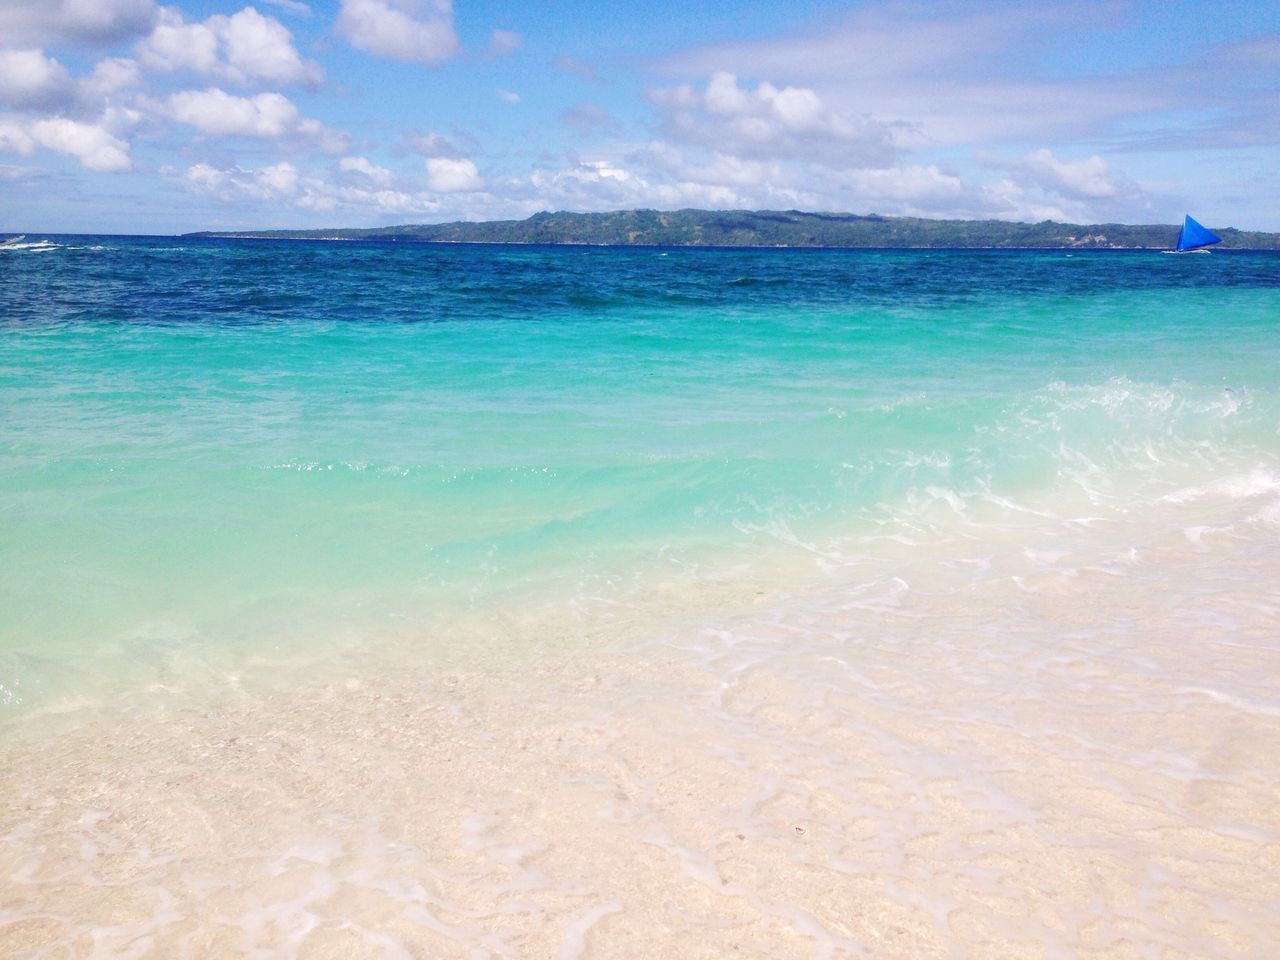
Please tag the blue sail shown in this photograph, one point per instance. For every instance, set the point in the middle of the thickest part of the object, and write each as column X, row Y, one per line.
column 1193, row 235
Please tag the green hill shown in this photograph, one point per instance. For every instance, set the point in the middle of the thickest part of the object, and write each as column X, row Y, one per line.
column 774, row 228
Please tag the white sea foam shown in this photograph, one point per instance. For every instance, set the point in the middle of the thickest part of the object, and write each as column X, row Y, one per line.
column 31, row 245
column 1257, row 482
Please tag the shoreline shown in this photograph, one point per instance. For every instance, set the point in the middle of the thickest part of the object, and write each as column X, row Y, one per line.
column 897, row 767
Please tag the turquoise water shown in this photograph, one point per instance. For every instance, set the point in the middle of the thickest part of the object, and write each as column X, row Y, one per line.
column 209, row 443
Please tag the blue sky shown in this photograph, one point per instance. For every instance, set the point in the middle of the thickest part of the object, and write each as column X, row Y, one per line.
column 134, row 116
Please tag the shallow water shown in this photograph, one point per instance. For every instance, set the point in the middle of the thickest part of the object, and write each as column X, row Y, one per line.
column 385, row 600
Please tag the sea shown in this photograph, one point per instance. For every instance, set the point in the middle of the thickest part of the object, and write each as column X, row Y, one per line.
column 378, row 599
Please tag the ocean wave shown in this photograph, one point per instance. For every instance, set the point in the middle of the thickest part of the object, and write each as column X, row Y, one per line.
column 20, row 243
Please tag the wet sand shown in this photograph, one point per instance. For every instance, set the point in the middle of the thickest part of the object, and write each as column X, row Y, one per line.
column 1006, row 749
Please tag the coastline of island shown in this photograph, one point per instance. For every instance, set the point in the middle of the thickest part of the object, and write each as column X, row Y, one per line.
column 786, row 229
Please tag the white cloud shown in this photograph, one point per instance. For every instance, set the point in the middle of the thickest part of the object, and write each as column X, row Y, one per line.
column 577, row 68
column 448, row 175
column 588, row 183
column 206, row 177
column 1087, row 179
column 727, row 180
column 607, row 184
column 1007, row 200
column 295, row 7
column 944, row 74
column 508, row 97
column 26, row 22
column 720, row 169
column 243, row 48
column 325, row 139
column 1040, row 186
column 930, row 74
column 276, row 182
column 30, row 80
column 502, row 42
column 659, row 175
column 433, row 144
column 587, row 118
column 261, row 48
column 915, row 190
column 925, row 190
column 268, row 116
column 665, row 175
column 10, row 172
column 283, row 183
column 894, row 40
column 110, row 76
column 40, row 85
column 89, row 143
column 176, row 44
column 14, row 138
column 366, row 169
column 281, row 179
column 768, row 121
column 411, row 30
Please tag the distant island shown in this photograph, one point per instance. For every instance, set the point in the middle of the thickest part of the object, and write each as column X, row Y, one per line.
column 773, row 228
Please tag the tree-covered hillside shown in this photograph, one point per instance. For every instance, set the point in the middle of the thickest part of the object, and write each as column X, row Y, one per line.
column 775, row 228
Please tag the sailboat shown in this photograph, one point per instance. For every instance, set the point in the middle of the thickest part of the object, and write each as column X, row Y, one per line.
column 1194, row 238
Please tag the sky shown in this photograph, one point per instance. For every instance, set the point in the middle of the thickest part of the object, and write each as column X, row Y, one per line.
column 137, row 116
